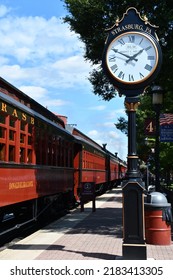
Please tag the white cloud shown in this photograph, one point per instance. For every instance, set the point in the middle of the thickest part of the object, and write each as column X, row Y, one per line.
column 115, row 114
column 71, row 64
column 108, row 124
column 104, row 137
column 73, row 69
column 13, row 72
column 34, row 91
column 93, row 133
column 41, row 95
column 113, row 135
column 114, row 140
column 98, row 108
column 41, row 52
column 45, row 60
column 56, row 103
column 33, row 38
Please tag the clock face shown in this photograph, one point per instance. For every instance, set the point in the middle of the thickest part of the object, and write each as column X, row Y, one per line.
column 132, row 58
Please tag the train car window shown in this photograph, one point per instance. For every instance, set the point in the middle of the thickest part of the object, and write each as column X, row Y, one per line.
column 84, row 160
column 70, row 155
column 26, row 140
column 22, row 155
column 11, row 153
column 29, row 139
column 12, row 122
column 30, row 128
column 50, row 148
column 2, row 132
column 66, row 154
column 22, row 138
column 38, row 146
column 62, row 153
column 58, row 150
column 12, row 135
column 41, row 146
column 22, row 125
column 29, row 156
column 53, row 155
column 44, row 149
column 2, row 152
column 50, row 151
column 54, row 150
column 16, row 138
column 2, row 119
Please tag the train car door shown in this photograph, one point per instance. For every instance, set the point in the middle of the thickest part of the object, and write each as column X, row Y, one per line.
column 77, row 169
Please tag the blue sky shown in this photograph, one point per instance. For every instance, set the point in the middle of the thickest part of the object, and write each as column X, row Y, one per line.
column 43, row 58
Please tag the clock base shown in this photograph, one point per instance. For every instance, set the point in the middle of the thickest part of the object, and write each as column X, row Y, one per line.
column 134, row 246
column 134, row 252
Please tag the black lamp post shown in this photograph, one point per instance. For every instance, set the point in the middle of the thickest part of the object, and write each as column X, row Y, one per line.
column 157, row 100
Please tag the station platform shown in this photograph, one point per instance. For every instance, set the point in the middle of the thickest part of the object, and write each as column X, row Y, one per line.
column 82, row 236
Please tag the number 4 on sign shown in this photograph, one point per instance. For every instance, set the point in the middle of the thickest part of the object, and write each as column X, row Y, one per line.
column 149, row 127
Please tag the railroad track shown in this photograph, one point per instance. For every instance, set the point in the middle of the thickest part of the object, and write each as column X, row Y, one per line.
column 12, row 231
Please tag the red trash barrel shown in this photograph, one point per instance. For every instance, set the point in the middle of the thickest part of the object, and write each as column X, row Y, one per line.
column 158, row 218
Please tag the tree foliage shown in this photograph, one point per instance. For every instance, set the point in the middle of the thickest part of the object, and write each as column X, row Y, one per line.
column 90, row 19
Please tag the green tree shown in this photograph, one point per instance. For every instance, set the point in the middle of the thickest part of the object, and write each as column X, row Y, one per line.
column 90, row 19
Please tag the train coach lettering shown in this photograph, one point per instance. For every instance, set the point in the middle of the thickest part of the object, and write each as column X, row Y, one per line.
column 16, row 113
column 21, row 185
column 32, row 120
column 3, row 107
column 24, row 117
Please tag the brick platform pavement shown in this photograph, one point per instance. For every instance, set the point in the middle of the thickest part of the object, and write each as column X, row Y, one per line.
column 83, row 236
column 98, row 236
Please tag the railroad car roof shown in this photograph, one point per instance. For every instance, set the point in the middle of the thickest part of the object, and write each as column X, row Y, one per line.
column 82, row 136
column 13, row 102
column 82, row 140
column 14, row 92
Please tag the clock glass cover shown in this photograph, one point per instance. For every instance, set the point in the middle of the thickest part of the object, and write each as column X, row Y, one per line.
column 132, row 58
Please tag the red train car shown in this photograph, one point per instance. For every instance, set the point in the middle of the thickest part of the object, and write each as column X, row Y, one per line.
column 116, row 169
column 89, row 163
column 93, row 163
column 42, row 163
column 36, row 154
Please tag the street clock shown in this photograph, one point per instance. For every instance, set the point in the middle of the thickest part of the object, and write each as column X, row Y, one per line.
column 132, row 55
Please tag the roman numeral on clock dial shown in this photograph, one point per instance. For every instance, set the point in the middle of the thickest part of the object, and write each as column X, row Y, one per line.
column 131, row 78
column 148, row 67
column 114, row 68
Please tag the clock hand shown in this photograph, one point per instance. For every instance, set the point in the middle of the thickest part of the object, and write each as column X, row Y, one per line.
column 133, row 56
column 128, row 56
column 111, row 58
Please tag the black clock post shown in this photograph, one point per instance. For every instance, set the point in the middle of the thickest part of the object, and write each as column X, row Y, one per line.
column 134, row 246
column 132, row 59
